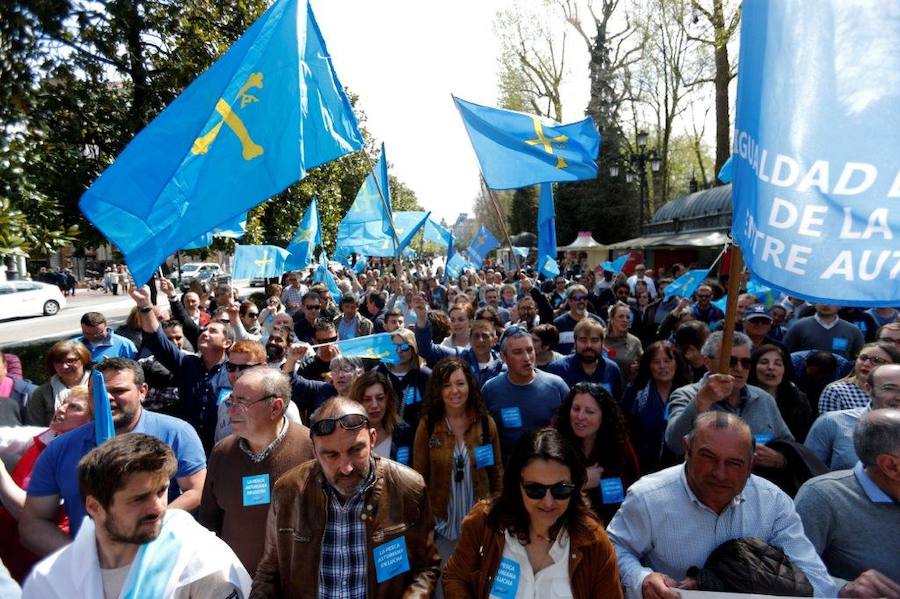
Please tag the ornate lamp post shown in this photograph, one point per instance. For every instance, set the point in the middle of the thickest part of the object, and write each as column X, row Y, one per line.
column 635, row 163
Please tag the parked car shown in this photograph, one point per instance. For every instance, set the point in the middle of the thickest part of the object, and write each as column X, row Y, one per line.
column 27, row 298
column 205, row 272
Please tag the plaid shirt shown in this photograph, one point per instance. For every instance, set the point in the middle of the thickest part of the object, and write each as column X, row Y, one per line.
column 343, row 565
column 842, row 395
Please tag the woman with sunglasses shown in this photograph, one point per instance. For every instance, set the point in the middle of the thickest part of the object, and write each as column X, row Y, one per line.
column 408, row 377
column 771, row 370
column 394, row 437
column 457, row 449
column 538, row 538
column 850, row 391
column 591, row 420
column 661, row 370
column 70, row 363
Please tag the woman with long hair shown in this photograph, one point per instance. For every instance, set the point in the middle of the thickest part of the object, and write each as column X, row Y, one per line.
column 538, row 538
column 591, row 420
column 70, row 363
column 850, row 391
column 771, row 370
column 662, row 369
column 408, row 376
column 621, row 346
column 457, row 448
column 394, row 437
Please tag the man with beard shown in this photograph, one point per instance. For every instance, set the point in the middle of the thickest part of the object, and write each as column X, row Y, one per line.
column 349, row 523
column 132, row 545
column 55, row 472
column 577, row 300
column 276, row 348
column 588, row 364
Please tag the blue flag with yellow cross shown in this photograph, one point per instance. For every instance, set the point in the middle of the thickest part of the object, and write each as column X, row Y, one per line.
column 258, row 261
column 269, row 109
column 516, row 149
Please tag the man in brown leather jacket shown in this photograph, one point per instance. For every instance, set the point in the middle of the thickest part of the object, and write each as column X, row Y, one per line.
column 349, row 524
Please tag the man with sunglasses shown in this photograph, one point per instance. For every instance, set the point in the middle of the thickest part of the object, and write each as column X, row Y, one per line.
column 673, row 519
column 200, row 377
column 305, row 318
column 349, row 523
column 577, row 300
column 703, row 309
column 242, row 468
column 728, row 393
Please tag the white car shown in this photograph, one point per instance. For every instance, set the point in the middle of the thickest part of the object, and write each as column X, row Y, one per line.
column 27, row 298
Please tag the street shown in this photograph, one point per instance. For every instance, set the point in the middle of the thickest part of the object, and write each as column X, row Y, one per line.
column 18, row 331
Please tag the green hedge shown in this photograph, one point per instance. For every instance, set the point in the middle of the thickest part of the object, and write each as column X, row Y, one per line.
column 32, row 356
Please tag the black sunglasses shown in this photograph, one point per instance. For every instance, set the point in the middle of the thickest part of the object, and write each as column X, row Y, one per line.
column 557, row 491
column 459, row 465
column 232, row 367
column 744, row 362
column 348, row 422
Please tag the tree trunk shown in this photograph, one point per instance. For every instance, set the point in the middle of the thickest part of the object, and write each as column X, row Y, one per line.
column 722, row 78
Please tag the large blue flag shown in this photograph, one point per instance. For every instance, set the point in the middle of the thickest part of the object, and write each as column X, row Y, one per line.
column 370, row 240
column 370, row 216
column 234, row 229
column 483, row 242
column 616, row 265
column 435, row 233
column 546, row 233
column 258, row 261
column 686, row 284
column 266, row 112
column 816, row 184
column 516, row 149
column 455, row 265
column 307, row 237
column 103, row 422
column 379, row 346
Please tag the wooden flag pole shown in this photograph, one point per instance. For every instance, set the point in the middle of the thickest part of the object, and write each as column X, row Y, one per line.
column 735, row 271
column 493, row 202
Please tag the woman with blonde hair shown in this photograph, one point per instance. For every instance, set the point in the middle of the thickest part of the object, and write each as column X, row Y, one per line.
column 407, row 374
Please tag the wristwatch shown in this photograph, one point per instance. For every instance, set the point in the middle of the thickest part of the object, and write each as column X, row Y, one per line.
column 145, row 309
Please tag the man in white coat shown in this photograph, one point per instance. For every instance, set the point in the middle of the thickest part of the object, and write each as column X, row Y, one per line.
column 131, row 546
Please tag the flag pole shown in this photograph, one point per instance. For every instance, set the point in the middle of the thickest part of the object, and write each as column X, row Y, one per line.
column 735, row 270
column 493, row 202
column 387, row 210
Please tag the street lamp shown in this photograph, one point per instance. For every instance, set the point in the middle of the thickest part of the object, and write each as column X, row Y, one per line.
column 635, row 163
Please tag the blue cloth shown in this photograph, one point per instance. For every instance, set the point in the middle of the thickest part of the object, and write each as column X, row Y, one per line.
column 266, row 112
column 455, row 265
column 546, row 233
column 104, row 430
column 726, row 173
column 607, row 373
column 371, row 206
column 56, row 470
column 379, row 346
column 565, row 324
column 535, row 404
column 686, row 284
column 663, row 527
column 831, row 437
column 323, row 275
column 258, row 261
column 617, row 264
column 305, row 240
column 435, row 233
column 370, row 240
column 482, row 243
column 517, row 149
column 233, row 228
column 115, row 346
column 433, row 353
column 815, row 213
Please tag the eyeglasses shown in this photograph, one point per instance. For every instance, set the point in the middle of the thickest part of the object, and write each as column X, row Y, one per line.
column 327, row 340
column 579, row 298
column 232, row 367
column 317, row 307
column 744, row 362
column 244, row 405
column 872, row 359
column 459, row 469
column 403, row 347
column 559, row 490
column 703, row 296
column 348, row 422
column 68, row 361
column 252, row 314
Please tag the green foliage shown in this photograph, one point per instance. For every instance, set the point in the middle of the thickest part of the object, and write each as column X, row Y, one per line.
column 523, row 210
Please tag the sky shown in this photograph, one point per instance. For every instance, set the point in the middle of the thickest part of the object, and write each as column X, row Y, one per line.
column 404, row 59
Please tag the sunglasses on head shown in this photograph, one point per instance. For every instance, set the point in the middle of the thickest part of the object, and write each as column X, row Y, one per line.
column 232, row 367
column 348, row 422
column 744, row 362
column 558, row 490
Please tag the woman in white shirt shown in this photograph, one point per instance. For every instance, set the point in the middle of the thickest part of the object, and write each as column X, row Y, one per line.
column 538, row 539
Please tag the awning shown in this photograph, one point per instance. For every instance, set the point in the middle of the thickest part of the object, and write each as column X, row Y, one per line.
column 698, row 239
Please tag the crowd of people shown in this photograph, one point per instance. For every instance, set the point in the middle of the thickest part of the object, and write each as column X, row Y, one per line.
column 530, row 436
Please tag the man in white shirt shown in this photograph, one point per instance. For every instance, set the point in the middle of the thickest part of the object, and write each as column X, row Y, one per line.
column 640, row 275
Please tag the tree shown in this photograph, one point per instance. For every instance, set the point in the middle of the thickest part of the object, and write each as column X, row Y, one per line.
column 722, row 19
column 523, row 210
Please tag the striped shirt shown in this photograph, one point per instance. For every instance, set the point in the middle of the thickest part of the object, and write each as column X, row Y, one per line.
column 343, row 565
column 462, row 496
